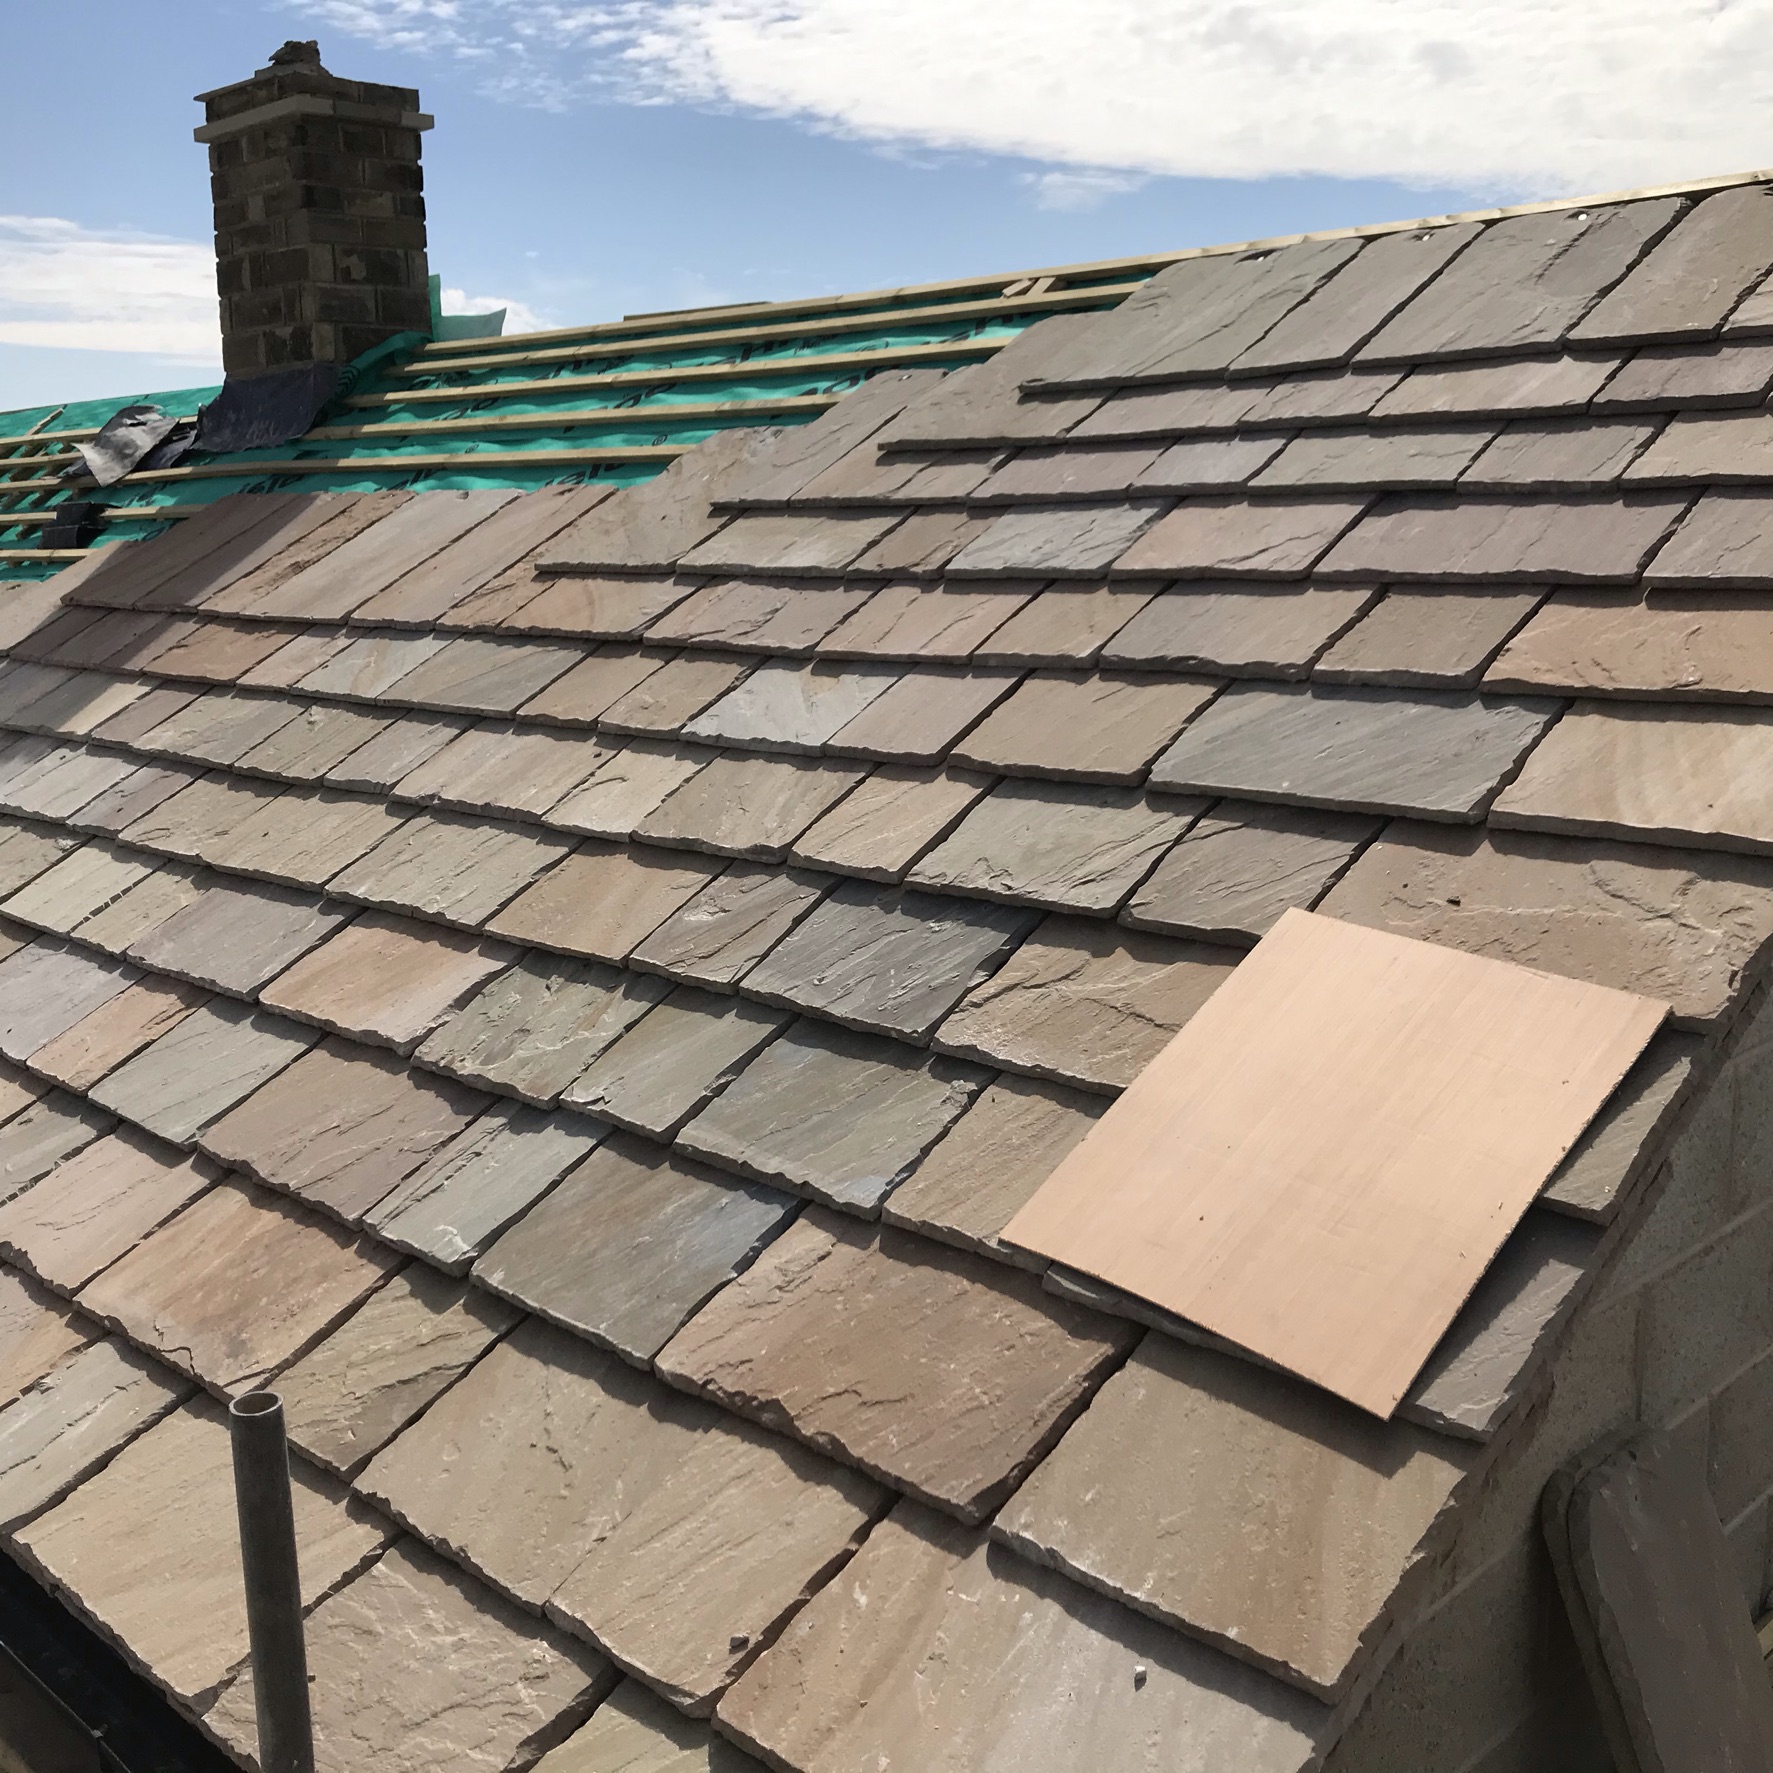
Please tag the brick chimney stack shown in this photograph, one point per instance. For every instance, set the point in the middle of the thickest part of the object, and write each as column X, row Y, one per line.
column 319, row 214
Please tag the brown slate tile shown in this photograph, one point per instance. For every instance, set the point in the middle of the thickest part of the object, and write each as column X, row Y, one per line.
column 667, row 1067
column 61, row 785
column 174, row 1597
column 319, row 739
column 674, row 695
column 1238, row 869
column 633, row 781
column 990, row 1163
column 775, row 615
column 1103, row 726
column 839, row 1116
column 601, row 678
column 637, row 1732
column 1066, row 625
column 752, row 807
column 387, row 980
column 1516, row 387
column 1240, row 1505
column 937, row 1649
column 342, row 1127
column 1441, row 754
column 1084, row 1003
column 140, row 714
column 96, row 1205
column 308, row 651
column 236, row 1286
column 603, row 900
column 889, row 820
column 498, row 767
column 913, row 621
column 1400, row 460
column 536, row 1027
column 1081, row 471
column 1664, row 377
column 1234, row 538
column 346, row 1399
column 365, row 668
column 920, row 717
column 1059, row 542
column 107, row 1036
column 1431, row 639
column 451, row 1208
column 865, row 475
column 191, row 822
column 234, row 938
column 316, row 524
column 147, row 904
column 1210, row 464
column 675, row 1538
column 46, row 987
column 37, row 1332
column 1680, row 775
column 730, row 924
column 1714, row 447
column 1039, row 843
column 28, row 851
column 933, row 1370
column 630, row 1244
column 304, row 837
column 475, row 674
column 214, row 651
column 111, row 896
column 924, row 544
column 45, row 1134
column 220, row 726
column 18, row 1090
column 600, row 607
column 791, row 707
column 1250, row 630
column 1754, row 317
column 788, row 542
column 449, row 867
column 1663, row 923
column 1321, row 397
column 135, row 795
column 891, row 960
column 398, row 749
column 211, row 542
column 1722, row 545
column 1560, row 455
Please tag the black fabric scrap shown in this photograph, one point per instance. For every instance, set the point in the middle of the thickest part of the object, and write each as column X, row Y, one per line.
column 124, row 438
column 259, row 412
column 75, row 524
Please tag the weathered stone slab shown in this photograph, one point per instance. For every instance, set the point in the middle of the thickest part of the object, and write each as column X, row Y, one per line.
column 789, row 542
column 1038, row 843
column 1725, row 543
column 598, row 681
column 308, row 651
column 407, row 1343
column 219, row 726
column 786, row 707
column 1707, row 447
column 446, row 866
column 327, row 521
column 319, row 739
column 343, row 1126
column 937, row 1649
column 192, row 822
column 366, row 668
column 475, row 674
column 765, row 615
column 921, row 716
column 174, row 1599
column 141, row 714
column 41, row 1136
column 120, row 1026
column 18, row 1090
column 1240, row 1505
column 1440, row 754
column 73, row 1420
column 629, row 786
column 889, row 820
column 1082, row 471
column 634, row 1731
column 46, row 987
column 604, row 900
column 233, row 938
column 237, row 1285
column 1399, row 460
column 1246, row 629
column 58, row 788
column 1664, row 377
column 78, row 886
column 668, row 699
column 838, row 1116
column 305, row 837
column 730, row 925
column 1057, row 542
column 631, row 1244
column 1066, row 625
column 924, row 545
column 1518, row 386
column 457, row 1203
column 211, row 651
column 495, row 767
column 95, row 1205
column 1436, row 639
column 535, row 1028
column 135, row 795
column 37, row 1332
column 912, row 621
column 990, row 1163
column 1238, row 538
column 594, row 607
column 1663, row 923
column 416, row 1666
column 750, row 806
column 1084, row 1003
column 197, row 1071
column 675, row 1536
column 1320, row 397
column 1559, row 455
column 888, row 960
column 939, row 1372
column 1237, row 870
column 1209, row 464
column 154, row 898
column 26, row 852
column 664, row 1069
column 398, row 749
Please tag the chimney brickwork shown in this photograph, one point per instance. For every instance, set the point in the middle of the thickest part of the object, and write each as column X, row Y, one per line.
column 319, row 214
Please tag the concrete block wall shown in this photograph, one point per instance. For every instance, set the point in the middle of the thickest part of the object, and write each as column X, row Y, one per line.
column 1676, row 1334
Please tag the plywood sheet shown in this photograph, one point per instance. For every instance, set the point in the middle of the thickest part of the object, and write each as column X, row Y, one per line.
column 1327, row 1156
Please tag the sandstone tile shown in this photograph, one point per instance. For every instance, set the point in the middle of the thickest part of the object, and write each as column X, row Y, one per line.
column 668, row 699
column 236, row 1286
column 41, row 1136
column 1436, row 639
column 21, row 683
column 1250, row 630
column 46, row 987
column 765, row 615
column 1081, row 1002
column 730, row 925
column 924, row 545
column 292, row 661
column 1663, row 923
column 212, row 651
column 145, row 906
column 97, row 1204
column 398, row 749
column 789, row 707
column 1722, row 545
column 1238, row 869
column 788, row 542
column 675, row 1537
column 932, row 1369
column 939, row 1651
column 233, row 938
column 1516, row 386
column 634, row 1731
column 457, row 1203
column 449, row 867
column 1423, row 459
column 474, row 674
column 122, row 1025
column 1085, row 726
column 990, row 1163
column 1209, row 464
column 197, row 1071
column 1664, row 377
column 631, row 1244
column 599, row 680
column 1064, row 625
column 604, row 900
column 73, row 1420
column 602, row 607
column 140, row 714
column 1238, row 538
column 1443, row 755
column 890, row 960
column 387, row 980
column 889, row 820
column 71, row 885
column 28, row 851
column 417, row 1666
column 193, row 822
column 1321, row 397
column 342, row 1127
column 1705, row 447
column 920, row 717
column 407, row 1343
column 63, row 783
column 500, row 768
column 535, row 1028
column 31, row 607
column 18, row 1090
column 305, row 837
column 865, row 476
column 37, row 1332
column 366, row 668
column 1560, row 455
column 135, row 795
column 1755, row 315
column 219, row 726
column 173, row 1599
column 1239, row 1504
column 1081, row 471
column 1039, row 843
column 750, row 806
column 912, row 621
column 329, row 520
column 666, row 1067
column 319, row 739
column 1059, row 542
column 836, row 1115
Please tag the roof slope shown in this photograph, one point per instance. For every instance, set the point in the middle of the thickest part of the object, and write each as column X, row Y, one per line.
column 574, row 983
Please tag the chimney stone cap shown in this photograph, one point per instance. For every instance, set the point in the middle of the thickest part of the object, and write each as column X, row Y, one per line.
column 298, row 49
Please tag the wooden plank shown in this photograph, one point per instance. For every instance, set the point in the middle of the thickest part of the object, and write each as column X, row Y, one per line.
column 493, row 461
column 635, row 418
column 1322, row 1163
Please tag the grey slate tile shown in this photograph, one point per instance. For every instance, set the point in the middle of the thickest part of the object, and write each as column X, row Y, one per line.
column 39, row 1137
column 666, row 1067
column 1236, row 538
column 603, row 900
column 919, row 718
column 1516, row 387
column 319, row 739
column 1174, row 412
column 1661, row 378
column 865, row 476
column 1400, row 460
column 791, row 707
column 366, row 667
column 1081, row 471
column 475, row 674
column 752, row 807
column 457, row 869
column 1560, row 455
column 840, row 1116
column 1437, row 639
column 1066, row 625
column 498, row 767
column 920, row 622
column 304, row 837
column 27, row 851
column 401, row 746
column 236, row 939
column 789, row 542
column 765, row 615
column 137, row 793
column 1724, row 543
column 1069, row 542
column 144, row 907
column 631, row 783
column 877, row 958
column 730, row 925
column 103, row 1039
column 141, row 714
column 65, row 781
column 599, row 607
column 889, row 820
column 1250, row 630
column 1210, row 464
column 71, row 884
column 1324, row 396
column 192, row 822
column 632, row 1243
column 600, row 679
column 1754, row 318
column 924, row 544
column 46, row 987
column 673, row 695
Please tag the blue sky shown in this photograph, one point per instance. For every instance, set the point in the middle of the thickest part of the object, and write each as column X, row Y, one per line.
column 594, row 159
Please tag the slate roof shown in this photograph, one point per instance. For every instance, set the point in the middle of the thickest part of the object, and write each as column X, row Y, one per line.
column 572, row 984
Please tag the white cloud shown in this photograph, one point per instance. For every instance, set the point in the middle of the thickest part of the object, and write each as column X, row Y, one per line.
column 519, row 316
column 1515, row 95
column 98, row 289
column 1083, row 187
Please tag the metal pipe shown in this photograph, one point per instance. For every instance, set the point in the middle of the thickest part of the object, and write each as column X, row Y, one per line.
column 273, row 1588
